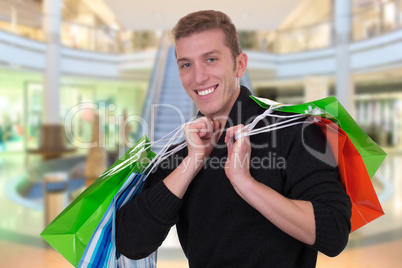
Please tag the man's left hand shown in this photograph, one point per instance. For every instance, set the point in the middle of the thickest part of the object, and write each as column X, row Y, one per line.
column 237, row 166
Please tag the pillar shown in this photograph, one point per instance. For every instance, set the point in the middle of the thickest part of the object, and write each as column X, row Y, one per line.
column 52, row 142
column 51, row 96
column 344, row 84
column 398, row 13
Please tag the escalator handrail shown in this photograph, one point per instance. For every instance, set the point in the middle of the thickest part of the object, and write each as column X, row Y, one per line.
column 156, row 81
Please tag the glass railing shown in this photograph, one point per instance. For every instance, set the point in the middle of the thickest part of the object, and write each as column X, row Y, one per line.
column 366, row 22
column 106, row 40
column 303, row 39
column 294, row 40
column 376, row 19
column 20, row 20
column 17, row 19
column 369, row 21
column 78, row 36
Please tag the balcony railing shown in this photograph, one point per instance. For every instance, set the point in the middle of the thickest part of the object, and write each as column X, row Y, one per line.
column 18, row 19
column 376, row 19
column 303, row 39
column 366, row 22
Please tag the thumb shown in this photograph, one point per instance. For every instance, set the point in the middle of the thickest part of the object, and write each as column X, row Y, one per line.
column 229, row 144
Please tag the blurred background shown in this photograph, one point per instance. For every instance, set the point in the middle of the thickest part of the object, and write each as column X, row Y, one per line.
column 81, row 80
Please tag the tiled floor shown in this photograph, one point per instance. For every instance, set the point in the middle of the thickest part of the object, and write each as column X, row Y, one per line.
column 378, row 244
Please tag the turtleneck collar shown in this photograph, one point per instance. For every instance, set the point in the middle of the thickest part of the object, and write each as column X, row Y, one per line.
column 242, row 112
column 243, row 109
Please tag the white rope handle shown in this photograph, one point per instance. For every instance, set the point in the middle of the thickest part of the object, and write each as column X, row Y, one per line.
column 250, row 127
column 175, row 134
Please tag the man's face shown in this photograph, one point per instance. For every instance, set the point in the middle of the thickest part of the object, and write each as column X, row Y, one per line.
column 207, row 71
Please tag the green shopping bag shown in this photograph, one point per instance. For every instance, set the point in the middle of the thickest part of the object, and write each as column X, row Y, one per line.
column 70, row 232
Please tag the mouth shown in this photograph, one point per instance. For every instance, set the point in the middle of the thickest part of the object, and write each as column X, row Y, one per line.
column 205, row 92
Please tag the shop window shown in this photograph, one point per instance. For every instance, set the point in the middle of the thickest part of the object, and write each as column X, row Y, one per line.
column 11, row 120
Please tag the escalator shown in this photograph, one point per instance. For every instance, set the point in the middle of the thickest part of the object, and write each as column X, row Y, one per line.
column 174, row 107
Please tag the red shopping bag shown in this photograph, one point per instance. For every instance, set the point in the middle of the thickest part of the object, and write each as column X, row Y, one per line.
column 354, row 176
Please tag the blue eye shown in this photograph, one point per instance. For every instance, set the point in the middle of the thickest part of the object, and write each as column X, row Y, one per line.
column 211, row 59
column 185, row 65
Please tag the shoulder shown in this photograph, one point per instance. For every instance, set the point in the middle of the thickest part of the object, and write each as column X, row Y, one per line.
column 307, row 138
column 165, row 167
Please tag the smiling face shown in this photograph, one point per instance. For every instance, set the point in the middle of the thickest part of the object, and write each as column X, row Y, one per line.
column 207, row 71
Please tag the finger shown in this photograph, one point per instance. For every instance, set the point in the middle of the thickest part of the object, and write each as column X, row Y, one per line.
column 239, row 145
column 242, row 142
column 193, row 129
column 230, row 147
column 205, row 127
column 242, row 133
column 231, row 132
column 210, row 128
column 217, row 125
column 199, row 127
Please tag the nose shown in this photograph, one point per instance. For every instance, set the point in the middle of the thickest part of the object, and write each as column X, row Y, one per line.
column 200, row 74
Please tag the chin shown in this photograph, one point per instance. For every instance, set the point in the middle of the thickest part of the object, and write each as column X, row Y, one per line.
column 209, row 113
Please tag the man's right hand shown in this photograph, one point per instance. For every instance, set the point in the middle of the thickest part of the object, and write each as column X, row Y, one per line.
column 201, row 137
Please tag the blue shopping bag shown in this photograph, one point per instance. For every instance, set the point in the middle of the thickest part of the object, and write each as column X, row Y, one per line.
column 101, row 250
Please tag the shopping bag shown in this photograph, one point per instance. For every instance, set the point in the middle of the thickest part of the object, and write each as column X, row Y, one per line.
column 357, row 154
column 70, row 232
column 101, row 250
column 353, row 174
column 331, row 109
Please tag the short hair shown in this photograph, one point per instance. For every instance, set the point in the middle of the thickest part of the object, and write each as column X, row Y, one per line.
column 205, row 20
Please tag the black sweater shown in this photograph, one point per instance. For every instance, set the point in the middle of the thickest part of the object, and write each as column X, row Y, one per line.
column 217, row 228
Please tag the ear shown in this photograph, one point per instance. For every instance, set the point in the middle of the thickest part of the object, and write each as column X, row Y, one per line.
column 242, row 60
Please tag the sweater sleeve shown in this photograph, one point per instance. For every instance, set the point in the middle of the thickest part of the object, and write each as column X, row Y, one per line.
column 312, row 175
column 143, row 223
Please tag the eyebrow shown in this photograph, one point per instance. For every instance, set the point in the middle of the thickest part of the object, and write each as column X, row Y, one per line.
column 204, row 55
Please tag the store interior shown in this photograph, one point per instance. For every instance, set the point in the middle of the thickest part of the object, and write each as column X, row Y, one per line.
column 110, row 70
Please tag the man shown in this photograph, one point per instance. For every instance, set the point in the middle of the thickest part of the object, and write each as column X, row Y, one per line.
column 243, row 213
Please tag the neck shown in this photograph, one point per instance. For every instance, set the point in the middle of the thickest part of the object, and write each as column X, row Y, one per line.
column 223, row 116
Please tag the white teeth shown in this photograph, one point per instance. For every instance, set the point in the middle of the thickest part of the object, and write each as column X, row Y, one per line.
column 206, row 92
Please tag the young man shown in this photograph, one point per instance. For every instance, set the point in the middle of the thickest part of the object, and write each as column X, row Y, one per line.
column 262, row 201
